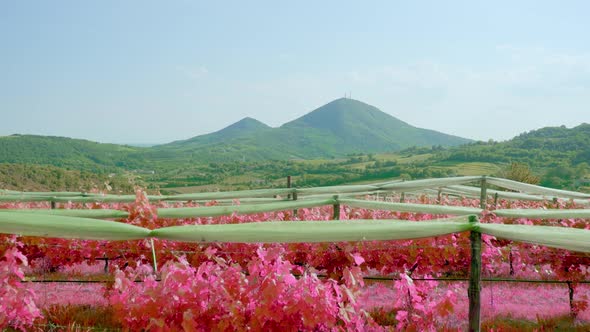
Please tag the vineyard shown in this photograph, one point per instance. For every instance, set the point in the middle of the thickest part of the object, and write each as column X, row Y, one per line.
column 465, row 253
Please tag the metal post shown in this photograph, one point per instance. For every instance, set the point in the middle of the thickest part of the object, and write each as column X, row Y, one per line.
column 154, row 255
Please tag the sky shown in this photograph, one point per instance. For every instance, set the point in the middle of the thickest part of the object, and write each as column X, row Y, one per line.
column 159, row 71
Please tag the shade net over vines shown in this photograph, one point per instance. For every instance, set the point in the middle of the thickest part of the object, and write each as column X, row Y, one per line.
column 361, row 281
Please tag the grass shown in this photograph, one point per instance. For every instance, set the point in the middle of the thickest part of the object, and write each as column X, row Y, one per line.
column 80, row 318
column 476, row 168
column 509, row 324
column 405, row 158
column 386, row 318
column 102, row 318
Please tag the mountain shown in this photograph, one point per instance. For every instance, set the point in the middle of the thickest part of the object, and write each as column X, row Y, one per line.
column 241, row 128
column 340, row 127
column 559, row 155
column 364, row 127
column 244, row 126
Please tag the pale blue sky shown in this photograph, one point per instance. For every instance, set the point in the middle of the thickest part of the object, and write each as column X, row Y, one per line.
column 153, row 72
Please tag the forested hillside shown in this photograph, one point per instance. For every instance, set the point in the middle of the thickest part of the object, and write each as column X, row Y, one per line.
column 68, row 153
column 26, row 177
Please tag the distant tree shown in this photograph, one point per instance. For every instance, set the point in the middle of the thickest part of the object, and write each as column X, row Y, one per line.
column 519, row 172
column 405, row 177
column 582, row 170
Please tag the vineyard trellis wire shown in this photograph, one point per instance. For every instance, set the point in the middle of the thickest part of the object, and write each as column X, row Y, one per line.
column 88, row 224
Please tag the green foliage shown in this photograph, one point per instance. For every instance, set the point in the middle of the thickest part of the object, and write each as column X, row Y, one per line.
column 555, row 153
column 519, row 172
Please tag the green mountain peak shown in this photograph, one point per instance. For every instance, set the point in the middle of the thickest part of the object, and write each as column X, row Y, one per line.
column 244, row 125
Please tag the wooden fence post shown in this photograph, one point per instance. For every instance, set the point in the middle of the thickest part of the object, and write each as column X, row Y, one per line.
column 573, row 312
column 106, row 263
column 475, row 268
column 336, row 208
column 294, row 195
column 474, row 289
column 295, row 198
column 483, row 198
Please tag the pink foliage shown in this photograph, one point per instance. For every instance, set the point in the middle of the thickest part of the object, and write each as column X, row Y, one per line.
column 17, row 303
column 219, row 295
column 417, row 310
column 276, row 286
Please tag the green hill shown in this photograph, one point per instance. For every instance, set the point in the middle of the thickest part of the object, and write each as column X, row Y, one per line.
column 559, row 155
column 243, row 153
column 336, row 129
column 244, row 127
column 546, row 146
column 68, row 153
column 362, row 127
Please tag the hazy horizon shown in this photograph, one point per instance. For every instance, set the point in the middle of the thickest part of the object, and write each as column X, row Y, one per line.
column 149, row 144
column 147, row 73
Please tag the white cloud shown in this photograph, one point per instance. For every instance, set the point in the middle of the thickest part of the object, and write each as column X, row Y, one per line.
column 193, row 72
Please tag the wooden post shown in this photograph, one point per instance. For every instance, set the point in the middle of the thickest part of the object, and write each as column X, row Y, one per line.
column 294, row 195
column 510, row 260
column 439, row 196
column 52, row 204
column 570, row 288
column 336, row 208
column 495, row 200
column 402, row 198
column 294, row 198
column 484, row 194
column 106, row 263
column 474, row 289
